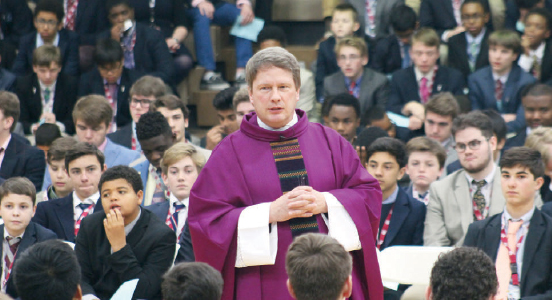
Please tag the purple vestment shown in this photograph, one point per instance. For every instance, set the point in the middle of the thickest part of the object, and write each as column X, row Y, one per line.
column 241, row 172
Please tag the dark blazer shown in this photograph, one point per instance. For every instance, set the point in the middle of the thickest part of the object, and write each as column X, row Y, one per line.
column 160, row 209
column 57, row 215
column 404, row 87
column 186, row 251
column 517, row 140
column 458, row 53
column 68, row 46
column 546, row 63
column 512, row 13
column 382, row 17
column 21, row 159
column 123, row 136
column 454, row 166
column 406, row 226
column 148, row 254
column 8, row 53
column 439, row 15
column 34, row 233
column 91, row 20
column 151, row 54
column 546, row 194
column 536, row 279
column 547, row 208
column 374, row 88
column 387, row 55
column 7, row 80
column 16, row 20
column 168, row 14
column 92, row 82
column 27, row 89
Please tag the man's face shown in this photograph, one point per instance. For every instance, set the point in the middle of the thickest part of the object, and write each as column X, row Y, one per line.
column 519, row 185
column 501, row 58
column 351, row 62
column 155, row 148
column 477, row 159
column 112, row 72
column 92, row 135
column 118, row 194
column 384, row 167
column 180, row 177
column 424, row 57
column 344, row 120
column 538, row 110
column 437, row 127
column 85, row 173
column 423, row 168
column 274, row 96
column 177, row 122
column 120, row 13
column 16, row 211
column 60, row 179
column 228, row 121
column 536, row 30
column 140, row 105
column 47, row 74
column 343, row 24
column 242, row 109
column 474, row 18
column 47, row 25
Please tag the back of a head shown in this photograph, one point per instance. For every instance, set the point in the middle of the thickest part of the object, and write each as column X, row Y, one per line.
column 318, row 267
column 152, row 124
column 46, row 134
column 272, row 33
column 462, row 274
column 107, row 52
column 148, row 86
column 403, row 18
column 368, row 135
column 223, row 100
column 47, row 271
column 192, row 281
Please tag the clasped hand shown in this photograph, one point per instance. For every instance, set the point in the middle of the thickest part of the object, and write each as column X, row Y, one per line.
column 301, row 202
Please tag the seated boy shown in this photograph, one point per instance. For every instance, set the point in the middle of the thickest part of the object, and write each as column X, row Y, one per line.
column 48, row 21
column 61, row 185
column 371, row 88
column 498, row 86
column 344, row 24
column 227, row 119
column 403, row 224
column 520, row 228
column 342, row 114
column 110, row 79
column 17, row 207
column 45, row 135
column 142, row 94
column 202, row 14
column 468, row 51
column 46, row 95
column 412, row 87
column 426, row 162
column 536, row 57
column 85, row 164
column 242, row 105
column 180, row 167
column 124, row 241
column 155, row 136
column 192, row 281
column 392, row 53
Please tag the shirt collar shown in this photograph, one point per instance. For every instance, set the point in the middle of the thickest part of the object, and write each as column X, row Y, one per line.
column 118, row 81
column 393, row 197
column 7, row 142
column 477, row 39
column 489, row 178
column 131, row 225
column 173, row 200
column 539, row 52
column 102, row 146
column 420, row 75
column 503, row 78
column 293, row 121
column 357, row 82
column 93, row 199
column 526, row 218
column 6, row 234
column 40, row 41
column 43, row 87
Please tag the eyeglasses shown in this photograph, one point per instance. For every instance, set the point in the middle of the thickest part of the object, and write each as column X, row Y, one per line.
column 143, row 102
column 48, row 23
column 474, row 145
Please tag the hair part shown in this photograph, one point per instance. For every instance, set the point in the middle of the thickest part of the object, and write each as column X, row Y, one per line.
column 508, row 39
column 427, row 145
column 93, row 110
column 171, row 102
column 443, row 104
column 178, row 152
column 45, row 55
column 81, row 149
column 127, row 173
column 392, row 146
column 523, row 157
column 18, row 186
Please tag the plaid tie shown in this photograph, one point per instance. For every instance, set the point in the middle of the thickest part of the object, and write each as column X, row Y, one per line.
column 478, row 197
column 352, row 88
column 10, row 256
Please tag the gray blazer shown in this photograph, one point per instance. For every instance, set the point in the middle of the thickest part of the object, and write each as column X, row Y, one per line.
column 383, row 13
column 450, row 210
column 374, row 88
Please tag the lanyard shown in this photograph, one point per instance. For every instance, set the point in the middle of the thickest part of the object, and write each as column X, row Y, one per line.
column 512, row 253
column 385, row 228
column 82, row 216
column 8, row 272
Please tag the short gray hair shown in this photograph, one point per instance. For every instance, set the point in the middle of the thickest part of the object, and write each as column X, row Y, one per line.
column 272, row 57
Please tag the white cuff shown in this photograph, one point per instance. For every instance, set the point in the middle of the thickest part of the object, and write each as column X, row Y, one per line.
column 61, row 126
column 340, row 224
column 444, row 37
column 257, row 245
column 525, row 62
column 89, row 297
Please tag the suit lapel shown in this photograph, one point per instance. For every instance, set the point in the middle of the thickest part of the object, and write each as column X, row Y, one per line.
column 463, row 199
column 10, row 159
column 462, row 46
column 29, row 239
column 532, row 241
column 488, row 86
column 491, row 238
column 137, row 232
column 64, row 213
column 510, row 86
column 365, row 90
column 411, row 85
column 63, row 42
column 440, row 81
column 400, row 212
column 99, row 206
column 482, row 56
column 58, row 94
column 36, row 97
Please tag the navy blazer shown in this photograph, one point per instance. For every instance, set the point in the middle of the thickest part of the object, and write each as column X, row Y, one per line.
column 536, row 271
column 458, row 53
column 28, row 91
column 406, row 226
column 16, row 20
column 186, row 251
column 123, row 136
column 151, row 54
column 92, row 82
column 160, row 209
column 439, row 15
column 7, row 80
column 34, row 233
column 387, row 55
column 68, row 46
column 91, row 20
column 168, row 14
column 58, row 216
column 546, row 194
column 517, row 140
column 404, row 87
column 22, row 159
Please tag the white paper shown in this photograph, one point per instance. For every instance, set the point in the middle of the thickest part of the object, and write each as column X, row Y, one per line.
column 126, row 290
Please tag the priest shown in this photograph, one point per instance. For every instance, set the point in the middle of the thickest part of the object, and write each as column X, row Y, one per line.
column 278, row 177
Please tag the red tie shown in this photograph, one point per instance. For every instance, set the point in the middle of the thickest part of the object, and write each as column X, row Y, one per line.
column 352, row 88
column 424, row 91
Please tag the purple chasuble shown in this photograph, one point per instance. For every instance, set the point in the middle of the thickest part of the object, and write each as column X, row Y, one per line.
column 241, row 172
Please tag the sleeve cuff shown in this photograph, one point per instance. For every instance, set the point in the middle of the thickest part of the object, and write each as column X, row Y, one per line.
column 340, row 224
column 257, row 244
column 444, row 36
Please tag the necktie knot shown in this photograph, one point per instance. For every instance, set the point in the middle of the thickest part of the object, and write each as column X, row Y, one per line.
column 84, row 206
column 13, row 240
column 178, row 207
column 513, row 226
column 479, row 184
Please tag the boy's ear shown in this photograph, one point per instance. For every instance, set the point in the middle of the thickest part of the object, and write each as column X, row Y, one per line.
column 356, row 26
column 401, row 173
column 290, row 289
column 165, row 178
column 34, row 209
column 487, row 16
column 540, row 182
column 140, row 195
column 78, row 293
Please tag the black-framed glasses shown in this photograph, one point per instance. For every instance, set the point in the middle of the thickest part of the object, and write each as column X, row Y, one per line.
column 143, row 102
column 473, row 145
